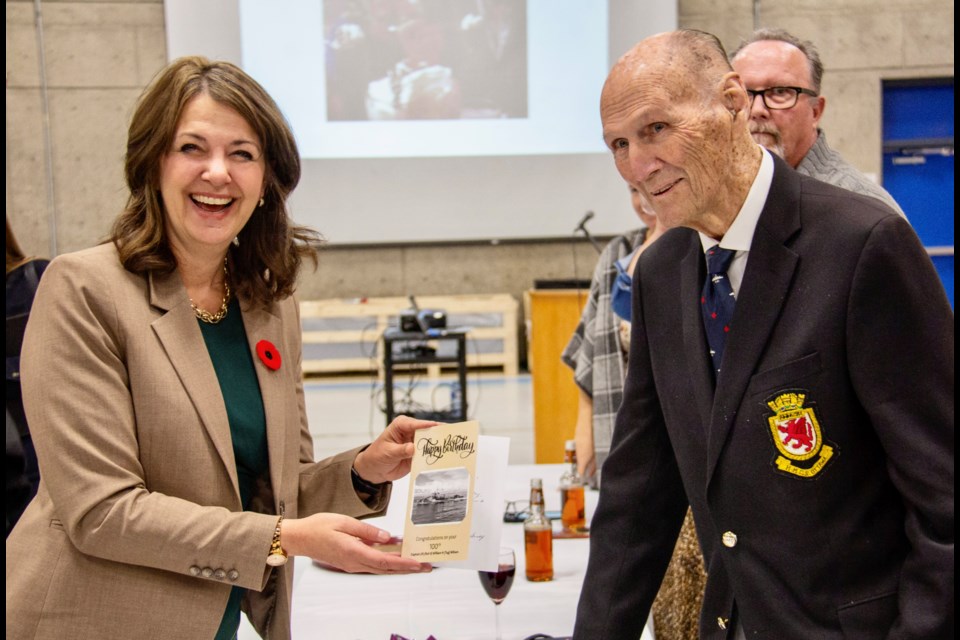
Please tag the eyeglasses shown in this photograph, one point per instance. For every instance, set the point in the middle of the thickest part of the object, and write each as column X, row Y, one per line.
column 516, row 510
column 779, row 97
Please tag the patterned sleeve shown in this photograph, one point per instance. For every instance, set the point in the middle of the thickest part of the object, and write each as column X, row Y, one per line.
column 579, row 353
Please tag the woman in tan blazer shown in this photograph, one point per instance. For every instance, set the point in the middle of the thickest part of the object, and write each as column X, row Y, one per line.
column 162, row 382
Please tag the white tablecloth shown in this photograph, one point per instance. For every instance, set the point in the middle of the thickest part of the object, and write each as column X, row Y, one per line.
column 448, row 603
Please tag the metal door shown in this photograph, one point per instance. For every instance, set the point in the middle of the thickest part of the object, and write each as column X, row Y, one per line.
column 918, row 162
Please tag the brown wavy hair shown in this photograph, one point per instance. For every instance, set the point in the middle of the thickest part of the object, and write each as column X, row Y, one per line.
column 264, row 267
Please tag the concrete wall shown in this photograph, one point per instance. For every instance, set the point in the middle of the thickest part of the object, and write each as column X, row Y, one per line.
column 99, row 55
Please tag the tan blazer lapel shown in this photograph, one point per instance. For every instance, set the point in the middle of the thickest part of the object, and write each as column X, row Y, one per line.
column 260, row 325
column 180, row 335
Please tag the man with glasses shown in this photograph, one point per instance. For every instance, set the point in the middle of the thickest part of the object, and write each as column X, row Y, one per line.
column 782, row 75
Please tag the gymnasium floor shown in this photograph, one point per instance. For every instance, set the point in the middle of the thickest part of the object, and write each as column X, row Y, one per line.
column 346, row 413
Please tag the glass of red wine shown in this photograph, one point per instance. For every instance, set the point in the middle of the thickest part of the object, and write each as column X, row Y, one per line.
column 497, row 583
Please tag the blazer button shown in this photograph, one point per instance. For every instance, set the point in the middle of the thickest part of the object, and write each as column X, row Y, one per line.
column 729, row 539
column 233, row 574
column 219, row 574
column 194, row 570
column 207, row 572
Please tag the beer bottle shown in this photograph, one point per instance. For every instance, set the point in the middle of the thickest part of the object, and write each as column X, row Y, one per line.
column 573, row 508
column 538, row 537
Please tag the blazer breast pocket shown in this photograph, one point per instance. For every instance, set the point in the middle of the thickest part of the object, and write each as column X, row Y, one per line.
column 796, row 373
column 869, row 618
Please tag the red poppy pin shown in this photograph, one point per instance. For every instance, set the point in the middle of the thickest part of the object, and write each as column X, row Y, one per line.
column 268, row 354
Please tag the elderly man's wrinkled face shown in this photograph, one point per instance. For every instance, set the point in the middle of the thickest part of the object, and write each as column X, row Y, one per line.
column 669, row 140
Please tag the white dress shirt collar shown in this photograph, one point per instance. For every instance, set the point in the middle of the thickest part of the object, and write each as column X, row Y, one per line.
column 740, row 234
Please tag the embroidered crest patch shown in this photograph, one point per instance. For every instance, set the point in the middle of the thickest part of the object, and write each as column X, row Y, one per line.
column 797, row 435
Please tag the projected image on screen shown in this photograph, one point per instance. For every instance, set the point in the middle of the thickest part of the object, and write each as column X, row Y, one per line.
column 425, row 59
column 431, row 78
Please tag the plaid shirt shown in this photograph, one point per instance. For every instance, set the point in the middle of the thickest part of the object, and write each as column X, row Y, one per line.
column 594, row 351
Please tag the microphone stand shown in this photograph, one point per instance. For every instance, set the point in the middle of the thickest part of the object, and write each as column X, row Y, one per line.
column 582, row 228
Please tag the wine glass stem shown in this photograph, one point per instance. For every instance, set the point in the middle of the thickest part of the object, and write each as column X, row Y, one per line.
column 496, row 617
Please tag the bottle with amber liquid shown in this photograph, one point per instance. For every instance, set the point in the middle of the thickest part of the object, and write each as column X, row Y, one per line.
column 573, row 508
column 538, row 537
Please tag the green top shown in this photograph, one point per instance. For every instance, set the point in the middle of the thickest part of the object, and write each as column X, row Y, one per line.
column 229, row 351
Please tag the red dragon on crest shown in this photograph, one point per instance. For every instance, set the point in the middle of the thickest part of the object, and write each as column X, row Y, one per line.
column 799, row 430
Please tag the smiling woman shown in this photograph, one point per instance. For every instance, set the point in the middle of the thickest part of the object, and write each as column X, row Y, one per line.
column 178, row 468
column 217, row 149
column 212, row 179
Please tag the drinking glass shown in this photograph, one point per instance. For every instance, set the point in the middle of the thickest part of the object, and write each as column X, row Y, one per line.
column 497, row 583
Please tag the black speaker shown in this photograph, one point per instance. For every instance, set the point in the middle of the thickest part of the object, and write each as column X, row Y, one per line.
column 430, row 319
column 408, row 321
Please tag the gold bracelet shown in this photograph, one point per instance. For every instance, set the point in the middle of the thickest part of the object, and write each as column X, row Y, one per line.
column 277, row 557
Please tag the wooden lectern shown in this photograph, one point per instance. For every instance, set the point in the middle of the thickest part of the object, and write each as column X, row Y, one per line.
column 553, row 316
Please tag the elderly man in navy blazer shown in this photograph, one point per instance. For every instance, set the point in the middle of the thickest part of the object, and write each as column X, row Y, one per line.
column 814, row 441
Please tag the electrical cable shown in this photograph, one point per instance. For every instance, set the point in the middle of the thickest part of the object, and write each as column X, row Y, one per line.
column 375, row 370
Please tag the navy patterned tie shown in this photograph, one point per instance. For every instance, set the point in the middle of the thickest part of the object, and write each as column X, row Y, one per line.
column 717, row 302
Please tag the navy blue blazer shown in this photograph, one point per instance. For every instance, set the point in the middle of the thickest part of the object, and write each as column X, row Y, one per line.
column 820, row 471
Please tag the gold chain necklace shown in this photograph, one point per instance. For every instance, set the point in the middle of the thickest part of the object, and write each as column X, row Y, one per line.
column 213, row 318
